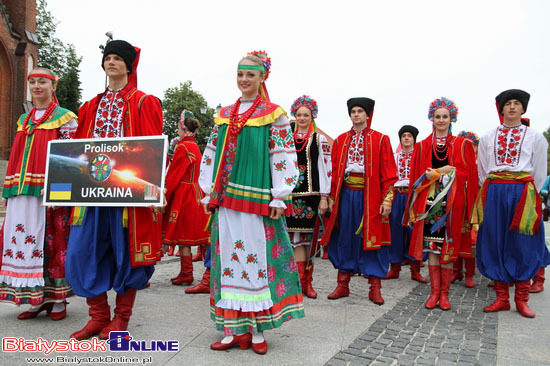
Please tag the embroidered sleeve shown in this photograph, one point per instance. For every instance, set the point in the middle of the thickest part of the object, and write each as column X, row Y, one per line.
column 67, row 131
column 483, row 157
column 282, row 160
column 207, row 164
column 539, row 160
column 324, row 165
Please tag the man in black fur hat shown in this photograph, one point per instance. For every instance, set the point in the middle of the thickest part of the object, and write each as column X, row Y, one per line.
column 511, row 245
column 114, row 247
column 363, row 174
column 401, row 235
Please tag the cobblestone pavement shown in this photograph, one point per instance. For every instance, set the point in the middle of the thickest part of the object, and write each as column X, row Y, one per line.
column 410, row 334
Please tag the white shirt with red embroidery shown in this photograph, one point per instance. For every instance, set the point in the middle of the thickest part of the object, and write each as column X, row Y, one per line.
column 356, row 154
column 513, row 149
column 108, row 119
column 403, row 162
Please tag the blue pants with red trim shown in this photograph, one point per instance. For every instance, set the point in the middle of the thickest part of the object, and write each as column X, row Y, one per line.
column 98, row 255
column 345, row 249
column 505, row 255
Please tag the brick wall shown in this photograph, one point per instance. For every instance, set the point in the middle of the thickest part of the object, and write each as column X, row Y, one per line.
column 16, row 16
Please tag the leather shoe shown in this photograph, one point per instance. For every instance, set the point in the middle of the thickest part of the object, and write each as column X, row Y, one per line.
column 243, row 340
column 32, row 314
column 59, row 314
column 260, row 348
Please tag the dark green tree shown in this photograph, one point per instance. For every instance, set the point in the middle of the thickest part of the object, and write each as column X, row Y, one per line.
column 184, row 97
column 55, row 55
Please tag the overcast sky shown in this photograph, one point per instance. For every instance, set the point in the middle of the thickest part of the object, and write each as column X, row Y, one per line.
column 403, row 54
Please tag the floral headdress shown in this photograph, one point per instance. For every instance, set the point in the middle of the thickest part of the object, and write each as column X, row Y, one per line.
column 184, row 114
column 305, row 101
column 470, row 135
column 443, row 103
column 266, row 61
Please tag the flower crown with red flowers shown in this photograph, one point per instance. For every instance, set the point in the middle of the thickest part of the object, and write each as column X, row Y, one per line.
column 472, row 136
column 305, row 101
column 443, row 103
column 266, row 61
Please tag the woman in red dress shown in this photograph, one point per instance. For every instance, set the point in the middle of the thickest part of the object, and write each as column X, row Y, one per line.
column 442, row 191
column 184, row 222
column 33, row 237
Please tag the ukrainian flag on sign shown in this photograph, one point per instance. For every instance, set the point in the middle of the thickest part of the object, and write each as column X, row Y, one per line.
column 60, row 191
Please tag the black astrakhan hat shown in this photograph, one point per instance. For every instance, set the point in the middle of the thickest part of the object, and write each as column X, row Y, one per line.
column 510, row 94
column 408, row 128
column 366, row 103
column 122, row 49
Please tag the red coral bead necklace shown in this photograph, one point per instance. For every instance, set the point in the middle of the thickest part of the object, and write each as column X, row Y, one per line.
column 37, row 122
column 236, row 121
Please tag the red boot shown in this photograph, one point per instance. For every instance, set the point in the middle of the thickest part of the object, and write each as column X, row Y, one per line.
column 415, row 272
column 342, row 289
column 307, row 288
column 470, row 264
column 435, row 284
column 501, row 302
column 100, row 312
column 301, row 272
column 457, row 271
column 203, row 287
column 123, row 312
column 538, row 282
column 170, row 250
column 446, row 274
column 325, row 252
column 374, row 292
column 521, row 296
column 200, row 254
column 186, row 274
column 395, row 268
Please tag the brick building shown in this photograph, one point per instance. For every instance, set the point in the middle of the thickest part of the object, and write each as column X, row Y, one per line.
column 18, row 55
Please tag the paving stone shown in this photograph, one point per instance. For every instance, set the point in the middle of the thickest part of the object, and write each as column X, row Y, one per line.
column 337, row 362
column 448, row 356
column 463, row 358
column 344, row 356
column 401, row 344
column 378, row 344
column 358, row 362
column 390, row 355
column 443, row 362
column 465, row 363
column 466, row 352
column 385, row 360
column 367, row 337
column 406, row 359
column 359, row 344
column 368, row 355
column 353, row 351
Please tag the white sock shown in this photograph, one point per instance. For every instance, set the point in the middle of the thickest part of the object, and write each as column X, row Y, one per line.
column 34, row 308
column 58, row 307
column 258, row 337
column 227, row 339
